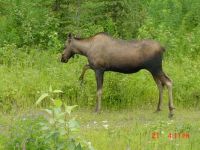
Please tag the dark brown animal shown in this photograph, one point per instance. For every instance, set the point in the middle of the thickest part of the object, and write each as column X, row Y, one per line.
column 105, row 53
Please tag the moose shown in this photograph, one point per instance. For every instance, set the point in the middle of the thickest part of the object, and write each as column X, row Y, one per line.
column 105, row 53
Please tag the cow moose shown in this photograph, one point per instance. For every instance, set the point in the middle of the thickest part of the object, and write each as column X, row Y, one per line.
column 105, row 53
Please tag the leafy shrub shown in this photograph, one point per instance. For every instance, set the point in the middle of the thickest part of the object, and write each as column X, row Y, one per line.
column 60, row 131
column 55, row 129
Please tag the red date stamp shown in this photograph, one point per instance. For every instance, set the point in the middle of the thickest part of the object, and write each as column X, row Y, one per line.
column 170, row 136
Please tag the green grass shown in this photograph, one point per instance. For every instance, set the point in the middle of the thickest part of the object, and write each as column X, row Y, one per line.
column 134, row 129
column 121, row 129
column 26, row 75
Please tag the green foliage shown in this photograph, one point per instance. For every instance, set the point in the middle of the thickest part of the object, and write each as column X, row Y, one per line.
column 46, row 23
column 23, row 132
column 61, row 130
column 55, row 129
column 28, row 23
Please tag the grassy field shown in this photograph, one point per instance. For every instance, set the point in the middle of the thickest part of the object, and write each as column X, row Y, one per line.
column 127, row 121
column 120, row 130
column 135, row 129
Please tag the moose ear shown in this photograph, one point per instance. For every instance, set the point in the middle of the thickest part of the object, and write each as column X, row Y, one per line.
column 69, row 36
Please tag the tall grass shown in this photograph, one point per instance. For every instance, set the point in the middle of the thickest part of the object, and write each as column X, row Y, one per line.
column 27, row 72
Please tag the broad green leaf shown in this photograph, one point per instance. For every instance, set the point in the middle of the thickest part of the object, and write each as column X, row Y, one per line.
column 78, row 147
column 57, row 91
column 73, row 125
column 42, row 97
column 58, row 103
column 69, row 109
column 71, row 144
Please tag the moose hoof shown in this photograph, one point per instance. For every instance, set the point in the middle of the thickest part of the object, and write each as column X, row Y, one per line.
column 157, row 111
column 97, row 111
column 171, row 114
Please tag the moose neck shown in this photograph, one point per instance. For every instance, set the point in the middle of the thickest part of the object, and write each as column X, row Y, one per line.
column 81, row 47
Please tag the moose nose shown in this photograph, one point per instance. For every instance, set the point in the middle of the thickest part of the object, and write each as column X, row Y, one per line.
column 63, row 59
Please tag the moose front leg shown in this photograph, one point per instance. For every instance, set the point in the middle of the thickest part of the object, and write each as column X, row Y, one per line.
column 85, row 68
column 99, row 79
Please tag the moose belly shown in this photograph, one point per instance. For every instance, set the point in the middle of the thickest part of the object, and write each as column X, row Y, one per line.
column 124, row 69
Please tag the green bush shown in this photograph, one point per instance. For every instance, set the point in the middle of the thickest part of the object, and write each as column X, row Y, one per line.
column 56, row 128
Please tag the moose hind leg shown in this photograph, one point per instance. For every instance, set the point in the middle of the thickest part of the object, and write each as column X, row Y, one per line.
column 99, row 79
column 168, row 83
column 160, row 89
column 171, row 105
